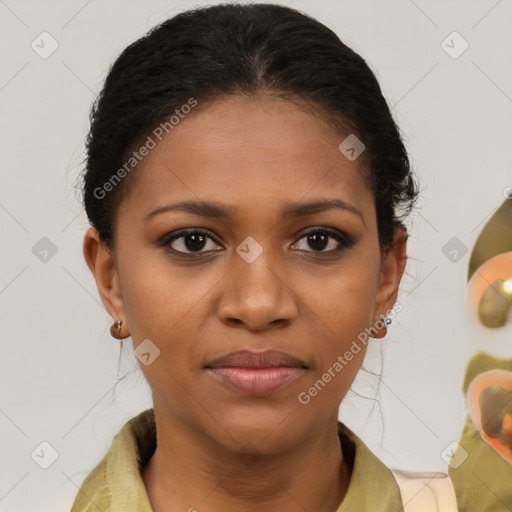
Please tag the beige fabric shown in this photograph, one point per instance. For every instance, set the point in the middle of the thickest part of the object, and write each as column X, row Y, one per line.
column 421, row 493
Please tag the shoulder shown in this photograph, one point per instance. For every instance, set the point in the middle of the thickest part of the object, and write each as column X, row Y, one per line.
column 372, row 485
column 93, row 494
column 117, row 480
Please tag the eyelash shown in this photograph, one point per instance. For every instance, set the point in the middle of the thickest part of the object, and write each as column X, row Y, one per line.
column 344, row 240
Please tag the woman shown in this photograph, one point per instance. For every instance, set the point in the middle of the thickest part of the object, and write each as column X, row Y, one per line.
column 246, row 187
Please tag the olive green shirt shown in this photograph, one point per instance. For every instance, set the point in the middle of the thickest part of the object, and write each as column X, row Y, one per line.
column 116, row 485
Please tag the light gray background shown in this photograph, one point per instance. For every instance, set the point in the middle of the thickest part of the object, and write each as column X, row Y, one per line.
column 59, row 364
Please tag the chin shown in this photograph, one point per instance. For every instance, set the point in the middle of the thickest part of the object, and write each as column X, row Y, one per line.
column 252, row 428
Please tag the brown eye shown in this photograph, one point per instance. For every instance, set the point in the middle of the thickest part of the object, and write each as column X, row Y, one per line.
column 190, row 241
column 320, row 239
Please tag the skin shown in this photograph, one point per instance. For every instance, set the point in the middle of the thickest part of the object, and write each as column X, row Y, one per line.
column 219, row 449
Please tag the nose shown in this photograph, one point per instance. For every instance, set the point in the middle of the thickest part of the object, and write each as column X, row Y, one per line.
column 257, row 296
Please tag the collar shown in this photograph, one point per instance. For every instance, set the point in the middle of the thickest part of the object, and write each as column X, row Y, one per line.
column 116, row 484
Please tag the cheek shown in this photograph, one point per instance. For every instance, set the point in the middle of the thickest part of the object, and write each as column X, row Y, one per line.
column 344, row 302
column 336, row 315
column 154, row 305
column 160, row 301
column 167, row 305
column 163, row 306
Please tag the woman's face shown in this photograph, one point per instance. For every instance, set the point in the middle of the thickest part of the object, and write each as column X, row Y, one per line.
column 252, row 279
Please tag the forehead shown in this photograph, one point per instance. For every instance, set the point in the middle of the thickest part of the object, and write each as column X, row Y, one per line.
column 250, row 151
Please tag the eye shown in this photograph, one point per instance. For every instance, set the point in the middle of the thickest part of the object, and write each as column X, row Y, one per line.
column 188, row 241
column 318, row 239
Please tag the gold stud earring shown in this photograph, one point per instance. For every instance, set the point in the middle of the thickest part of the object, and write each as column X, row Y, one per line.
column 115, row 329
column 381, row 326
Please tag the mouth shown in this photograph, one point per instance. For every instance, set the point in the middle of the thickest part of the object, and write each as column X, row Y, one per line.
column 257, row 372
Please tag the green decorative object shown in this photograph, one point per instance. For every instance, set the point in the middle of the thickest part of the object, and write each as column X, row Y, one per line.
column 495, row 303
column 495, row 238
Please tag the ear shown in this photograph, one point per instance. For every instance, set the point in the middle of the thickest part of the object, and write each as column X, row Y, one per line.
column 102, row 264
column 392, row 268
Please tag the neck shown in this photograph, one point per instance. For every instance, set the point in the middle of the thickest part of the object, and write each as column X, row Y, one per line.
column 191, row 470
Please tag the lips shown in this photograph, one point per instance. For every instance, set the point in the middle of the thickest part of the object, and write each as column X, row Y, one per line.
column 250, row 359
column 257, row 373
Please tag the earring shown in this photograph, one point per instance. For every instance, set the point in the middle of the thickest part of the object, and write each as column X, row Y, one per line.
column 115, row 330
column 381, row 326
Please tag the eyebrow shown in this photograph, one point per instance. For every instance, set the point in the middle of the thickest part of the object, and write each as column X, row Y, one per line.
column 291, row 211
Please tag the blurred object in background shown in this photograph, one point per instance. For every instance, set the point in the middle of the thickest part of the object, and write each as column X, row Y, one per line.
column 489, row 399
column 490, row 269
column 495, row 404
column 495, row 303
column 483, row 482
